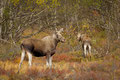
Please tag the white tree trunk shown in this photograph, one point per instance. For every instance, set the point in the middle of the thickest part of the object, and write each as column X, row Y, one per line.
column 1, row 15
column 0, row 31
column 55, row 17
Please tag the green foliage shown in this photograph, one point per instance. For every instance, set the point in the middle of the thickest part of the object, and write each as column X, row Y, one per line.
column 52, row 3
column 85, row 25
column 6, row 12
column 15, row 2
column 55, row 3
column 99, row 39
column 94, row 3
column 77, row 53
column 71, row 38
column 40, row 2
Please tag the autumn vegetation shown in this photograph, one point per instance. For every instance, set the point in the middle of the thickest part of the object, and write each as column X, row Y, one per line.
column 99, row 19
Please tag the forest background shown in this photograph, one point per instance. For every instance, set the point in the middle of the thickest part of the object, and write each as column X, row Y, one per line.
column 100, row 19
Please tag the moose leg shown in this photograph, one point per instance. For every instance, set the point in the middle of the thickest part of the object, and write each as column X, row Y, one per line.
column 30, row 59
column 22, row 58
column 90, row 50
column 47, row 60
column 50, row 61
column 85, row 50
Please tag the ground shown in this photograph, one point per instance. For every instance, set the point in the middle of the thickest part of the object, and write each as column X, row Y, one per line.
column 65, row 67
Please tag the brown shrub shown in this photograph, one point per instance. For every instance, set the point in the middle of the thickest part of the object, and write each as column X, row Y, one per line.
column 61, row 57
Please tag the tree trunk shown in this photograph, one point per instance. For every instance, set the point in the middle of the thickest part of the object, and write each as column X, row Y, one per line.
column 1, row 20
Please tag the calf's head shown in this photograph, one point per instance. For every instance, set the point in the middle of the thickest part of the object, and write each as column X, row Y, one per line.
column 59, row 36
column 79, row 36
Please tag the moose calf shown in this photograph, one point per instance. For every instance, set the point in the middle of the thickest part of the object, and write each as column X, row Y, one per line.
column 86, row 43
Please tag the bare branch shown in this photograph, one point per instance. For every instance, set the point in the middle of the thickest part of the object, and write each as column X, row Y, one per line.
column 8, row 42
column 34, row 33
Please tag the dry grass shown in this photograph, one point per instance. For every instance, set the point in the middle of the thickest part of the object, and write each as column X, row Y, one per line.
column 62, row 69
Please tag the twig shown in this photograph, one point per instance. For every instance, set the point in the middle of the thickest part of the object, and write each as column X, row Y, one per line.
column 33, row 33
column 8, row 42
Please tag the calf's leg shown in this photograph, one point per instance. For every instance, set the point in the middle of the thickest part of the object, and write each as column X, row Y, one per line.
column 90, row 51
column 85, row 50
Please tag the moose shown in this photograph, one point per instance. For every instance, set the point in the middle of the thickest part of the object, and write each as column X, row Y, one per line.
column 86, row 43
column 41, row 47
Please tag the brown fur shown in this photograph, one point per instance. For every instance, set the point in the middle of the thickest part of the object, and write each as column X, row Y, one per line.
column 85, row 40
column 41, row 47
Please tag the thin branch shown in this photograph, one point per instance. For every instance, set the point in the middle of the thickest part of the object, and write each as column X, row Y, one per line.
column 8, row 42
column 34, row 33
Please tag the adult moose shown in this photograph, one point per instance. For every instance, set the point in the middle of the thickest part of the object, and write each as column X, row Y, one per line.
column 41, row 47
column 86, row 43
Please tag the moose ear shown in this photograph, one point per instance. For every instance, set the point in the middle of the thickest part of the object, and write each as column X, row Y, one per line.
column 61, row 30
column 56, row 30
column 78, row 34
